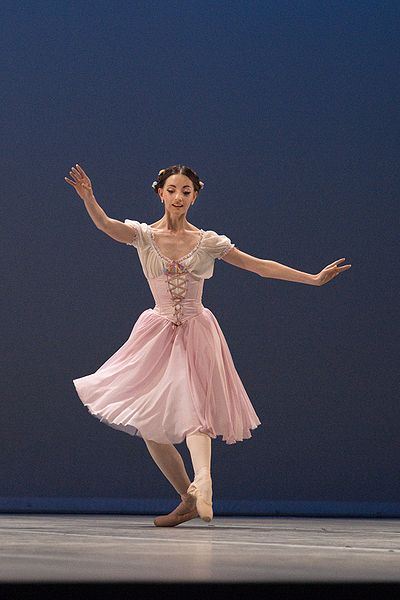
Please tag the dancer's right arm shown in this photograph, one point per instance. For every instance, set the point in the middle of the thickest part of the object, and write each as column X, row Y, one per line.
column 119, row 231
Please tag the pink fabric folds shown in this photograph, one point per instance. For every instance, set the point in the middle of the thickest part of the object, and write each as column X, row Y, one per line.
column 169, row 380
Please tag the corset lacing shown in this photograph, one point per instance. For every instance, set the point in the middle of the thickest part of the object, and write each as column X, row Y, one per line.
column 177, row 285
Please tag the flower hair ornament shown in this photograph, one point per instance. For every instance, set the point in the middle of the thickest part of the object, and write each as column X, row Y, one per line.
column 153, row 185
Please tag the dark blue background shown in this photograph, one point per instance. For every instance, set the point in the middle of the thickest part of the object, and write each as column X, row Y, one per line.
column 289, row 112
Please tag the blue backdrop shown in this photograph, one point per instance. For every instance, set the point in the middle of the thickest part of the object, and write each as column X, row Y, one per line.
column 288, row 111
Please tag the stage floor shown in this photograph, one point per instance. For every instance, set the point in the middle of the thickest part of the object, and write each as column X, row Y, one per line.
column 123, row 548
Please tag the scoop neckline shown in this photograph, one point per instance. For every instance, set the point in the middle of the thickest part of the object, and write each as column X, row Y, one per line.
column 174, row 260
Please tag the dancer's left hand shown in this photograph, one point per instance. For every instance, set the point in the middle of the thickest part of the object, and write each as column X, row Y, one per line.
column 330, row 271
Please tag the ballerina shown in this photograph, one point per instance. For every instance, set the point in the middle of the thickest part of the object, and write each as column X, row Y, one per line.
column 174, row 378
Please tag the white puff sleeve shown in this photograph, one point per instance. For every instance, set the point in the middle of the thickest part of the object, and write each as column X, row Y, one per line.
column 137, row 233
column 216, row 245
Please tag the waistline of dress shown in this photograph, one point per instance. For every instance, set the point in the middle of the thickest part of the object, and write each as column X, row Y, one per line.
column 190, row 309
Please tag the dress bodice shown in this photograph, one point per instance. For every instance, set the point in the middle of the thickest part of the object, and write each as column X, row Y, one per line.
column 177, row 295
column 177, row 285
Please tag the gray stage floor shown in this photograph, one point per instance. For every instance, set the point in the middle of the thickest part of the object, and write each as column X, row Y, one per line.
column 123, row 548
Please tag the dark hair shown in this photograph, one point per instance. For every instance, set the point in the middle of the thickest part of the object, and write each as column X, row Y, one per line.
column 177, row 169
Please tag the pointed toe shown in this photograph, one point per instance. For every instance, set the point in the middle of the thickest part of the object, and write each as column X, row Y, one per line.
column 203, row 497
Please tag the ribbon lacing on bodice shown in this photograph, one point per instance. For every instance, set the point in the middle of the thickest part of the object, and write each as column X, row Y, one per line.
column 176, row 278
column 176, row 274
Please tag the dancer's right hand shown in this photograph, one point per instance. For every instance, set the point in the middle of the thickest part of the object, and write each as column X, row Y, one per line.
column 81, row 183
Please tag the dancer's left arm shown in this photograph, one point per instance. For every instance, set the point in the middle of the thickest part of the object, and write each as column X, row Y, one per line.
column 275, row 270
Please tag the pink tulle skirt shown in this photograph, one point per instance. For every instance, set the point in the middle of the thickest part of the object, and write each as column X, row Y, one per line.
column 166, row 382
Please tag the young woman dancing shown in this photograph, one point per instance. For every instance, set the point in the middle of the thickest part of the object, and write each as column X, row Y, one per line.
column 174, row 378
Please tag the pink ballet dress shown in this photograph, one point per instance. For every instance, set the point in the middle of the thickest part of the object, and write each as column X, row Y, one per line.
column 174, row 375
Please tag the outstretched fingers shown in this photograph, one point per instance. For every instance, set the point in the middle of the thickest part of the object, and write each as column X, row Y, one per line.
column 80, row 170
column 333, row 267
column 344, row 268
column 75, row 172
column 335, row 262
column 78, row 176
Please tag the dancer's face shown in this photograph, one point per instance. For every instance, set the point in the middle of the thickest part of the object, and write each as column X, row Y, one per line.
column 178, row 194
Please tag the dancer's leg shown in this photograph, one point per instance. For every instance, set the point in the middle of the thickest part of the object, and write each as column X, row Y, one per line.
column 170, row 463
column 199, row 445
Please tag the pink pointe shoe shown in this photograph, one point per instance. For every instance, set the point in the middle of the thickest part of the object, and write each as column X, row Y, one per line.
column 185, row 511
column 201, row 490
